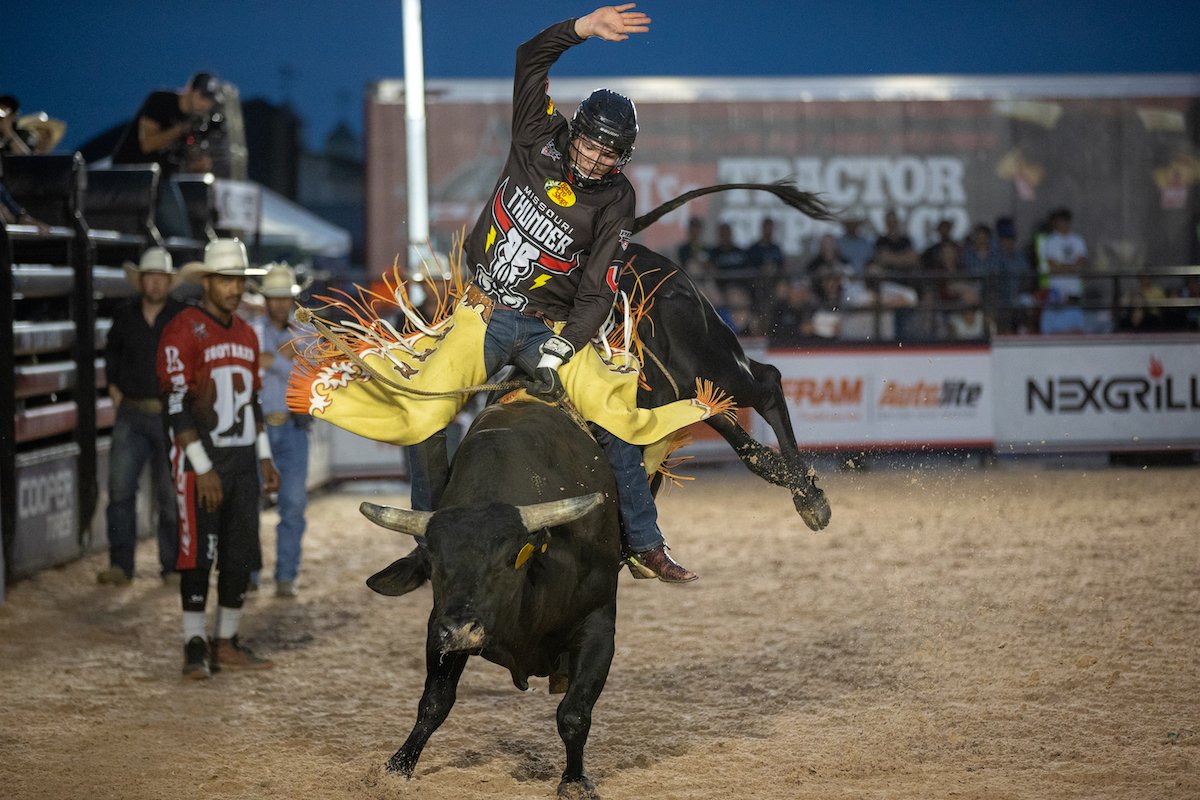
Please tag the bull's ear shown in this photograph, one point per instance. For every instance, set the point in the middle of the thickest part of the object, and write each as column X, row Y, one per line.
column 558, row 512
column 524, row 555
column 398, row 519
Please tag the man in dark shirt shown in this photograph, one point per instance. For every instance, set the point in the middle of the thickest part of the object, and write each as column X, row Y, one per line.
column 160, row 133
column 549, row 247
column 138, row 437
column 765, row 254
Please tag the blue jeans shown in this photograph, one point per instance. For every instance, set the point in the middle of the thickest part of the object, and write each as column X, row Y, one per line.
column 516, row 339
column 289, row 450
column 138, row 438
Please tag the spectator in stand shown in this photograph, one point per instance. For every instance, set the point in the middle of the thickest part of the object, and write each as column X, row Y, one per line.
column 765, row 255
column 32, row 134
column 138, row 438
column 791, row 316
column 829, row 294
column 1142, row 306
column 981, row 259
column 12, row 140
column 739, row 310
column 1062, row 258
column 1191, row 291
column 1012, row 271
column 894, row 251
column 13, row 213
column 160, row 133
column 287, row 432
column 829, row 256
column 956, row 292
column 730, row 261
column 931, row 257
column 856, row 248
column 692, row 254
column 895, row 258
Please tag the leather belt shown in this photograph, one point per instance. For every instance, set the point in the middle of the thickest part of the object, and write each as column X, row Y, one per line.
column 477, row 297
column 148, row 405
column 277, row 418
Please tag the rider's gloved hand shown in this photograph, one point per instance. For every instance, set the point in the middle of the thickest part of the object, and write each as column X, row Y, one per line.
column 546, row 385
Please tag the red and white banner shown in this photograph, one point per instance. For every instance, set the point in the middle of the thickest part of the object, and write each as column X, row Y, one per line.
column 1139, row 392
column 886, row 398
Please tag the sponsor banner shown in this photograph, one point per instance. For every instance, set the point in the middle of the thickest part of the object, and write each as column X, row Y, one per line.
column 47, row 529
column 886, row 398
column 1133, row 393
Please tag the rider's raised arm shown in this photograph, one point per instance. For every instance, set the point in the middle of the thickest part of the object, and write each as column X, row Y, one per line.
column 534, row 114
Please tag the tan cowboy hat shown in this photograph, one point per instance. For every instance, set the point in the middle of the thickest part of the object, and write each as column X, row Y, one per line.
column 155, row 259
column 221, row 257
column 49, row 131
column 280, row 281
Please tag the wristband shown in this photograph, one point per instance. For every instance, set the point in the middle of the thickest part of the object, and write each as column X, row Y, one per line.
column 201, row 464
column 263, row 446
column 559, row 347
column 551, row 361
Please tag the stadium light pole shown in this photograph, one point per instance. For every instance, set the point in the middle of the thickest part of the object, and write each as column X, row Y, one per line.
column 414, row 126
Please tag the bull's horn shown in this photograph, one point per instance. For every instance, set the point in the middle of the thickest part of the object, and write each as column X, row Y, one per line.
column 398, row 519
column 558, row 512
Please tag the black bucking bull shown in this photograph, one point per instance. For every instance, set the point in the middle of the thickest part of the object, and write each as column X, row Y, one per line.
column 524, row 551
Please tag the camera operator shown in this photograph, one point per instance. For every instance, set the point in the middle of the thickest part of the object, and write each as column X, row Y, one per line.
column 169, row 130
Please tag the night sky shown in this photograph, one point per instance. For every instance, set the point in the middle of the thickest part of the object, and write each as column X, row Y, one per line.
column 91, row 64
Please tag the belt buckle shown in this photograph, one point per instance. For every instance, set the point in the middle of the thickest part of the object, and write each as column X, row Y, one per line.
column 277, row 418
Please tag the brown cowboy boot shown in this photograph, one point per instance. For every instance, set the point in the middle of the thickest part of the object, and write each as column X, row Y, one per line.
column 233, row 655
column 659, row 565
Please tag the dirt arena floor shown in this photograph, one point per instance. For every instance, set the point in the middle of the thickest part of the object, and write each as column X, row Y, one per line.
column 1002, row 633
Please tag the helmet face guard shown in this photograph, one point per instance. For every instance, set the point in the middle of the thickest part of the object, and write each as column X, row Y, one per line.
column 603, row 131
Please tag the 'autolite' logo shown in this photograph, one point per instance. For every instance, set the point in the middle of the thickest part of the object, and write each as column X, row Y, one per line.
column 1161, row 392
column 950, row 393
column 827, row 392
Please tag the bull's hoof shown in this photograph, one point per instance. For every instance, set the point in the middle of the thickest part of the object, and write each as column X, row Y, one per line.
column 813, row 508
column 402, row 763
column 580, row 788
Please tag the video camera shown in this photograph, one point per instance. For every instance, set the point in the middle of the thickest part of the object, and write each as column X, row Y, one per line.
column 194, row 151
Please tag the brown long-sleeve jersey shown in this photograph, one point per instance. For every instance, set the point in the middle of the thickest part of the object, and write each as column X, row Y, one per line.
column 544, row 244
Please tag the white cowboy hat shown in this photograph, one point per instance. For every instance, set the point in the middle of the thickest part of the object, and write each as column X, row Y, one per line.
column 155, row 259
column 221, row 257
column 280, row 281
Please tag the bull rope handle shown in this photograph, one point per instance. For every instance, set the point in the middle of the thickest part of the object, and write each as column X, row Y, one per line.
column 337, row 342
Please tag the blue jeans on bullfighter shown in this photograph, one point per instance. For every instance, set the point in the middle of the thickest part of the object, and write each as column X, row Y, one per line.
column 138, row 439
column 514, row 338
column 289, row 449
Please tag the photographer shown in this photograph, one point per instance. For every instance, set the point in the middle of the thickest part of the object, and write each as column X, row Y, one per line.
column 168, row 130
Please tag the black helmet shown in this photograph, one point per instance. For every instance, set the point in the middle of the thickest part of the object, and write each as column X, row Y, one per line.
column 611, row 120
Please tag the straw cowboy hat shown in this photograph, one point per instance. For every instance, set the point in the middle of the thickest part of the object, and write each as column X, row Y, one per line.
column 221, row 257
column 155, row 259
column 280, row 281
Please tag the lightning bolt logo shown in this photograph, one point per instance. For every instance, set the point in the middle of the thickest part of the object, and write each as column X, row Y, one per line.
column 539, row 281
column 491, row 239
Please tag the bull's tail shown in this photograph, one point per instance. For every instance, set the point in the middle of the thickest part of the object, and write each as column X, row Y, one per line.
column 805, row 202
